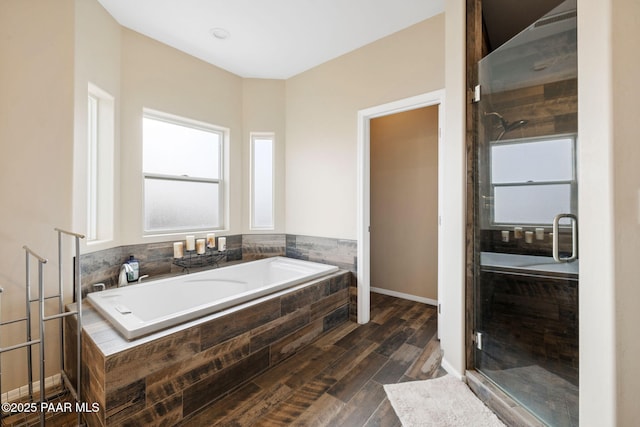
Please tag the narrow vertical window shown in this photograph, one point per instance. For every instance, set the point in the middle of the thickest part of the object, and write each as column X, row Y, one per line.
column 100, row 158
column 262, row 216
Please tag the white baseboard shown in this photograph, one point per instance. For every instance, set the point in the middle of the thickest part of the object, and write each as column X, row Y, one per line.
column 410, row 297
column 451, row 370
column 20, row 392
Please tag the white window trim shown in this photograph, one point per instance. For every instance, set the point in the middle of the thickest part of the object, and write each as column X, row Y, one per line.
column 252, row 137
column 100, row 165
column 573, row 182
column 221, row 181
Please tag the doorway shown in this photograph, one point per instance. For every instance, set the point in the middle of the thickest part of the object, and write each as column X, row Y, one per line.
column 435, row 98
column 404, row 209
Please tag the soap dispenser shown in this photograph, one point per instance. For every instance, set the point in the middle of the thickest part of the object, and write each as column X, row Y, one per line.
column 134, row 273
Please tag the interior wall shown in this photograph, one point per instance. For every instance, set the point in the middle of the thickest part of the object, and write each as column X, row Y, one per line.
column 321, row 111
column 97, row 61
column 404, row 208
column 451, row 273
column 626, row 175
column 36, row 165
column 162, row 78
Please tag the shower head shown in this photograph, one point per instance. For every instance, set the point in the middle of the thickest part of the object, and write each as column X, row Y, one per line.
column 515, row 125
column 505, row 125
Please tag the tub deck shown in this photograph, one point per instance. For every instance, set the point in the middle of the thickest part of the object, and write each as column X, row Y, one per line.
column 171, row 374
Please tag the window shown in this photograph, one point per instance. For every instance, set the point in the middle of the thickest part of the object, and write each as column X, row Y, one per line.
column 533, row 180
column 182, row 168
column 100, row 146
column 262, row 181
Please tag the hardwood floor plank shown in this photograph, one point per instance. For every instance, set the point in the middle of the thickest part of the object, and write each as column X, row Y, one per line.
column 251, row 413
column 320, row 413
column 384, row 416
column 287, row 411
column 395, row 341
column 398, row 364
column 427, row 364
column 246, row 394
column 363, row 404
column 351, row 383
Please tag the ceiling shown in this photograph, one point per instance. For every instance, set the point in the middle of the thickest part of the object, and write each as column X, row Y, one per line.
column 503, row 19
column 273, row 39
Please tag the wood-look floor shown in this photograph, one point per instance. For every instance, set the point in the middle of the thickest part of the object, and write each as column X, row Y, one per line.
column 338, row 379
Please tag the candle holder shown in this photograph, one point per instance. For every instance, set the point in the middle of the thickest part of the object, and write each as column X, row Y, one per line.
column 192, row 259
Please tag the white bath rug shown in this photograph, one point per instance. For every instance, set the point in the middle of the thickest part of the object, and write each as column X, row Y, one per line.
column 440, row 402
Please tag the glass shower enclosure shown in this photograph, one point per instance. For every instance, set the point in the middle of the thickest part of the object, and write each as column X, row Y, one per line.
column 526, row 218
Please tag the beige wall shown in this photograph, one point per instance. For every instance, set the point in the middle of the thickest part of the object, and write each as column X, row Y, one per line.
column 36, row 164
column 97, row 61
column 404, row 202
column 625, row 112
column 321, row 111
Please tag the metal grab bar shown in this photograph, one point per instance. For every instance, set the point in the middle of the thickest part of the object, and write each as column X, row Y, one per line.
column 574, row 237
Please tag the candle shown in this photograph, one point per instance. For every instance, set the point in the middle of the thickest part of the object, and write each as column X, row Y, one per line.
column 528, row 236
column 200, row 246
column 539, row 233
column 222, row 243
column 517, row 232
column 191, row 243
column 178, row 250
column 211, row 240
column 505, row 235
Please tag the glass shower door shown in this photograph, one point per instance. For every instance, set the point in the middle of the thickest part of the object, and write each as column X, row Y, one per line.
column 526, row 219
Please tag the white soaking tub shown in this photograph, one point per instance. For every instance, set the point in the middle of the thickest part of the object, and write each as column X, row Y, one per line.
column 141, row 309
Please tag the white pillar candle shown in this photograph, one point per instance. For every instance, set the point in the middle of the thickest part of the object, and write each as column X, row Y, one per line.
column 505, row 235
column 178, row 250
column 211, row 240
column 191, row 243
column 539, row 233
column 222, row 243
column 200, row 247
column 528, row 236
column 517, row 232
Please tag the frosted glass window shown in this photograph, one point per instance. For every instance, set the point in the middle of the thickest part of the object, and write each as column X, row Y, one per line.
column 175, row 149
column 533, row 180
column 262, row 182
column 182, row 167
column 536, row 161
column 180, row 205
column 536, row 204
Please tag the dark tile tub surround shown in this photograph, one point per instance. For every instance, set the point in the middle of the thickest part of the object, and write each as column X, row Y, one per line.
column 340, row 252
column 156, row 259
column 258, row 246
column 165, row 378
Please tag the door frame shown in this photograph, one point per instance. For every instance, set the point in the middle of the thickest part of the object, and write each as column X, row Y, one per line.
column 364, row 188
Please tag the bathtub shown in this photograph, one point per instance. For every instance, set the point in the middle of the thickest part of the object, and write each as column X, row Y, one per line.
column 141, row 309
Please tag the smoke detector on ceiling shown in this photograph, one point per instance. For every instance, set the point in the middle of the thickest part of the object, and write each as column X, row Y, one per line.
column 219, row 33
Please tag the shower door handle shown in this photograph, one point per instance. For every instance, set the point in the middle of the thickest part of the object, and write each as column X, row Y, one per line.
column 574, row 237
